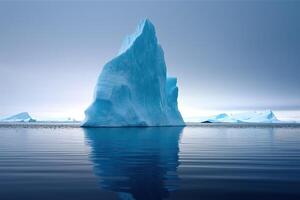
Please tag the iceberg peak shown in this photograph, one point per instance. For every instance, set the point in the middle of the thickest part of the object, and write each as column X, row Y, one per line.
column 145, row 31
column 146, row 26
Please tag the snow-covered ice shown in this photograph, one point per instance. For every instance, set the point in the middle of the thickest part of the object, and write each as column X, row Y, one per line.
column 20, row 117
column 133, row 88
column 250, row 117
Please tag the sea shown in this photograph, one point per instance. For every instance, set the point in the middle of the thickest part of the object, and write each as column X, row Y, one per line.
column 200, row 161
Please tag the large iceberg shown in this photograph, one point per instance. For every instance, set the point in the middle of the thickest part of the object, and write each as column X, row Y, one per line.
column 133, row 89
column 20, row 117
column 246, row 117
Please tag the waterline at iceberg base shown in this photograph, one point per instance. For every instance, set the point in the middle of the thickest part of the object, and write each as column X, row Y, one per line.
column 133, row 88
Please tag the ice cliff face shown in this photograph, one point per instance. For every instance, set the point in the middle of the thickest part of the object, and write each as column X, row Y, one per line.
column 250, row 117
column 21, row 117
column 133, row 89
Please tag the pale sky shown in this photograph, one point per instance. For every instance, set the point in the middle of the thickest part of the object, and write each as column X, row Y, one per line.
column 227, row 56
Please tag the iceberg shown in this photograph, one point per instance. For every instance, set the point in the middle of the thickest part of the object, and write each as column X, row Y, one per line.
column 133, row 88
column 220, row 118
column 20, row 117
column 245, row 117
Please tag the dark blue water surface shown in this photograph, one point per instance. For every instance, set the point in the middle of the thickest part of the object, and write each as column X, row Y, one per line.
column 150, row 163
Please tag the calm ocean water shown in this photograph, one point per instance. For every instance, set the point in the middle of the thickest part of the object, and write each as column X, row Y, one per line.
column 150, row 163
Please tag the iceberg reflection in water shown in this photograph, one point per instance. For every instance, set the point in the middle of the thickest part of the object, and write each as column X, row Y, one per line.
column 139, row 164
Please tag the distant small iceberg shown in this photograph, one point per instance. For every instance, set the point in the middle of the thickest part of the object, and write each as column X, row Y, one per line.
column 245, row 117
column 20, row 117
